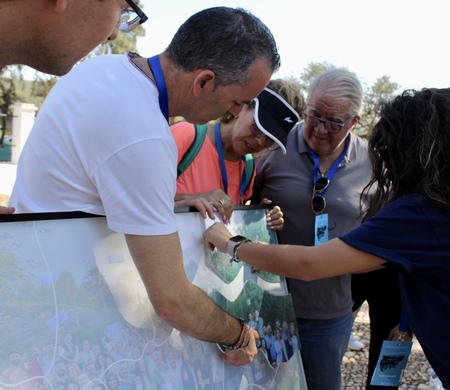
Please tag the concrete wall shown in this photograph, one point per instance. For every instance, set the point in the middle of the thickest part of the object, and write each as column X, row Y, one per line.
column 23, row 120
column 7, row 177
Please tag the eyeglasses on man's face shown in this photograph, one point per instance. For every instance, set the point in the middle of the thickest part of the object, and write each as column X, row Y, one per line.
column 267, row 142
column 131, row 18
column 331, row 127
column 318, row 201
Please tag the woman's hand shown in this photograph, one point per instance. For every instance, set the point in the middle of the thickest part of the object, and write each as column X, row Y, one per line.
column 396, row 334
column 219, row 200
column 205, row 208
column 274, row 218
column 217, row 236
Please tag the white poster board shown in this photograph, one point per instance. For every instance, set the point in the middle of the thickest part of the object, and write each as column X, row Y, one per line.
column 74, row 313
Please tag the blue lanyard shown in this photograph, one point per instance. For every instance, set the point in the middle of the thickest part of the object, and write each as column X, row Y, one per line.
column 403, row 322
column 333, row 168
column 223, row 169
column 155, row 65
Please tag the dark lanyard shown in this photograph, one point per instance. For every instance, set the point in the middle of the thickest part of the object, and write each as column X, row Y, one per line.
column 334, row 167
column 155, row 66
column 223, row 169
column 403, row 327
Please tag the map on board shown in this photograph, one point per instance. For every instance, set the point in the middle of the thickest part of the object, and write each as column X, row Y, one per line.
column 75, row 315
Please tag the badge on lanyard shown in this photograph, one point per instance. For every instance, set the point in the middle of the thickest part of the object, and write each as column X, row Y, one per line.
column 393, row 358
column 321, row 229
column 318, row 201
column 391, row 363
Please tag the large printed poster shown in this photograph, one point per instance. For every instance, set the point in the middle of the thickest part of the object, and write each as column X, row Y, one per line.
column 74, row 314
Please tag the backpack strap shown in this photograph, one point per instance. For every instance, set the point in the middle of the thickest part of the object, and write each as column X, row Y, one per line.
column 249, row 170
column 191, row 153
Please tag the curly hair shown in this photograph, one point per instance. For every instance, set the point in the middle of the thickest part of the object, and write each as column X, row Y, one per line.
column 410, row 148
column 288, row 89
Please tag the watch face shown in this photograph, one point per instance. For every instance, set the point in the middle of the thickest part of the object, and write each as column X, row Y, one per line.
column 238, row 238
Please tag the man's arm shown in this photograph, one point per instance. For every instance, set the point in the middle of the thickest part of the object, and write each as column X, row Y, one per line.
column 186, row 307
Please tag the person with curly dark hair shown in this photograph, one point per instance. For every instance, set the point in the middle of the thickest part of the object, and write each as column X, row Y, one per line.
column 406, row 225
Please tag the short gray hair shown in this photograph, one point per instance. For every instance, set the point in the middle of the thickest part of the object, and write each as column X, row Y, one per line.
column 340, row 84
column 226, row 41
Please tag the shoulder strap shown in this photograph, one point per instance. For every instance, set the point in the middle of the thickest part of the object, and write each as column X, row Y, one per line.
column 191, row 153
column 249, row 170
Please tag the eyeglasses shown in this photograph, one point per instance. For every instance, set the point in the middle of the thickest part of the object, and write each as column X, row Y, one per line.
column 331, row 127
column 267, row 142
column 318, row 202
column 131, row 18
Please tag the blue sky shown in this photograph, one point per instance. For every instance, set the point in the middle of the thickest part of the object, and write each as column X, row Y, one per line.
column 406, row 40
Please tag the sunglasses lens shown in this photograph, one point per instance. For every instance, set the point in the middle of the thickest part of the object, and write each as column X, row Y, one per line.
column 321, row 184
column 318, row 203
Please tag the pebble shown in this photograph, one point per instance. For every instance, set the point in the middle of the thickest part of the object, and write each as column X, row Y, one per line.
column 354, row 363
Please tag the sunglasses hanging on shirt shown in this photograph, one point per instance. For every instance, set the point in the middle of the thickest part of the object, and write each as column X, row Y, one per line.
column 318, row 201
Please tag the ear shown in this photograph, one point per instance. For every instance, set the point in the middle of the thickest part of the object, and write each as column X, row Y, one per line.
column 61, row 5
column 204, row 82
column 355, row 120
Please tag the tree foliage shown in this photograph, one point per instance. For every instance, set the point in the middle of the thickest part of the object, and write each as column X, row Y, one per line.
column 9, row 75
column 122, row 44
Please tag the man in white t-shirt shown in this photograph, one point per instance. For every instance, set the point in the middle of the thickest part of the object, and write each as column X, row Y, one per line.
column 102, row 144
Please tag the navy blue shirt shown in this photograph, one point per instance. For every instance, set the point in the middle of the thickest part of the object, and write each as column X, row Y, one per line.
column 413, row 235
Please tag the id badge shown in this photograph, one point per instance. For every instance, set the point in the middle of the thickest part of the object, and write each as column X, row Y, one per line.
column 391, row 363
column 321, row 229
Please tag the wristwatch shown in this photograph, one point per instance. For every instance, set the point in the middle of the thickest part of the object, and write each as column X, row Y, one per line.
column 234, row 244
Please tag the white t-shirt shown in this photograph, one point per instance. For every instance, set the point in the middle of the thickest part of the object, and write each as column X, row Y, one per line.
column 101, row 145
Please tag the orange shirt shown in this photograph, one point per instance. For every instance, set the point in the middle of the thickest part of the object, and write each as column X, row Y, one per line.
column 203, row 174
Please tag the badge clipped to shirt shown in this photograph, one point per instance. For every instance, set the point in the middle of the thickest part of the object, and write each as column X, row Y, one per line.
column 321, row 229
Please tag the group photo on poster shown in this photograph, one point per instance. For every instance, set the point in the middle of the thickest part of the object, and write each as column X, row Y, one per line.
column 79, row 317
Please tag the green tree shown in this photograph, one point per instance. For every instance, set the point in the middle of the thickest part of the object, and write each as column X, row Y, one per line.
column 382, row 90
column 9, row 76
column 311, row 71
column 122, row 44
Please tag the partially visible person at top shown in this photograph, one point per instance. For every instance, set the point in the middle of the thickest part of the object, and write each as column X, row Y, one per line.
column 51, row 36
column 112, row 152
column 218, row 171
column 406, row 226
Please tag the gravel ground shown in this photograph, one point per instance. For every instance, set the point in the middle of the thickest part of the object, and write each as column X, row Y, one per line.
column 354, row 369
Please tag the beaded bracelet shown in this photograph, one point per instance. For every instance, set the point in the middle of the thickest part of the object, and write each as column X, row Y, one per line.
column 241, row 342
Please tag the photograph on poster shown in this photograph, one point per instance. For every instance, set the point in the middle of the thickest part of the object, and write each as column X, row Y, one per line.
column 74, row 312
column 249, row 224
